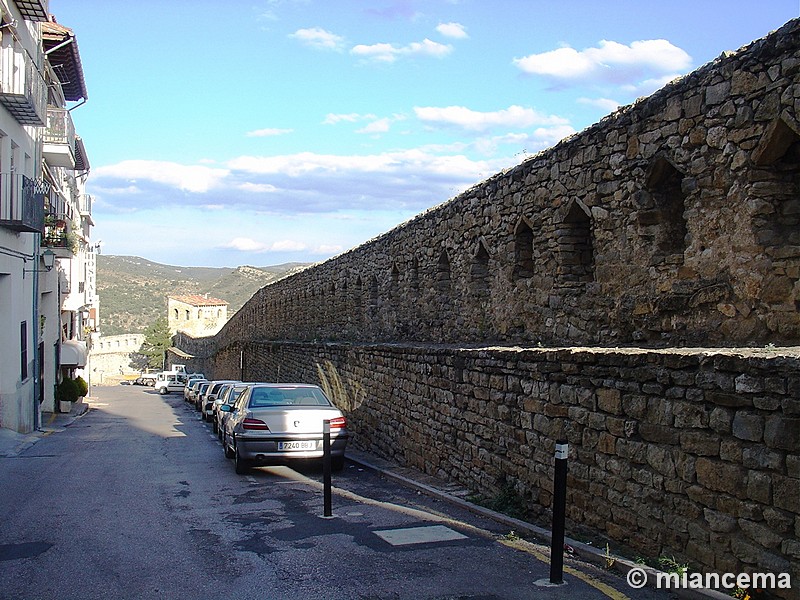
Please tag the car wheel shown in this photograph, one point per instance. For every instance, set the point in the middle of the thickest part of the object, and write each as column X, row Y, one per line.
column 337, row 463
column 227, row 449
column 242, row 465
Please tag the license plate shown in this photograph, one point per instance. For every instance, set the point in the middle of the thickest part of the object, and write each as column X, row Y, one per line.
column 297, row 445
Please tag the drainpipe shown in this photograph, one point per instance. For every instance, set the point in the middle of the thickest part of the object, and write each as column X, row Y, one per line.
column 37, row 240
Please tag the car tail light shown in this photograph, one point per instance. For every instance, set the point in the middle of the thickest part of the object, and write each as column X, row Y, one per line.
column 338, row 423
column 254, row 424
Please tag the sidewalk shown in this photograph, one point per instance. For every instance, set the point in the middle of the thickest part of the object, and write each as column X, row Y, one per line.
column 13, row 443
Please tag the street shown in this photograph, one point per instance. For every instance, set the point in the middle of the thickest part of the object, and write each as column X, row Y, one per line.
column 136, row 500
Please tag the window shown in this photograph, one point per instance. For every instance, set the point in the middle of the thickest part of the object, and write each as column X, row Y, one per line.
column 23, row 345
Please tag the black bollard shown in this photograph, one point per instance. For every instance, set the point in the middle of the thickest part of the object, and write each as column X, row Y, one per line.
column 559, row 512
column 326, row 465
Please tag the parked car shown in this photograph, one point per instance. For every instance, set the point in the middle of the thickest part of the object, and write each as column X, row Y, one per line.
column 210, row 396
column 197, row 397
column 146, row 379
column 168, row 383
column 191, row 388
column 274, row 423
column 228, row 396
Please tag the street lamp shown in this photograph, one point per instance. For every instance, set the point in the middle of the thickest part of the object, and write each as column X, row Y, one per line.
column 48, row 258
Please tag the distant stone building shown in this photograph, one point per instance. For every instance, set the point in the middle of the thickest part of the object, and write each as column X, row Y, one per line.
column 196, row 315
column 111, row 357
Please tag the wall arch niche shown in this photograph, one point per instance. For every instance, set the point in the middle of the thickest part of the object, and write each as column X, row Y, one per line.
column 661, row 221
column 523, row 251
column 776, row 186
column 575, row 246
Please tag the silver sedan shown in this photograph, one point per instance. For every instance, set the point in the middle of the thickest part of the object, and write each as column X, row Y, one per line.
column 274, row 423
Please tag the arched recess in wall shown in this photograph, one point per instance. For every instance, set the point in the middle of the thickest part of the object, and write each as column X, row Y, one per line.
column 373, row 295
column 414, row 276
column 523, row 250
column 443, row 273
column 776, row 186
column 664, row 222
column 394, row 282
column 479, row 271
column 358, row 299
column 575, row 246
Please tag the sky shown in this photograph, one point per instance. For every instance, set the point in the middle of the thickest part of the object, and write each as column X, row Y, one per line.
column 260, row 132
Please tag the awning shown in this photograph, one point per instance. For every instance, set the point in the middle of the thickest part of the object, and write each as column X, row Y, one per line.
column 73, row 353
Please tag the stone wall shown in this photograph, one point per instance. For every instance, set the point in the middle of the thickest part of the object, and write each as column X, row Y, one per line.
column 673, row 222
column 685, row 453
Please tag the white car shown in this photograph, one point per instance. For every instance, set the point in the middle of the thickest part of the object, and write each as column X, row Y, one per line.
column 169, row 383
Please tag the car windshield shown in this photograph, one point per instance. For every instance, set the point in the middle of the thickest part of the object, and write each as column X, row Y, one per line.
column 287, row 396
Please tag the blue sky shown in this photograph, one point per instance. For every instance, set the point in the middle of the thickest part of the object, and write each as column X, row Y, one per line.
column 258, row 132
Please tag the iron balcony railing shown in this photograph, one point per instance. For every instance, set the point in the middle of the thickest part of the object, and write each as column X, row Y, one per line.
column 59, row 137
column 22, row 88
column 22, row 203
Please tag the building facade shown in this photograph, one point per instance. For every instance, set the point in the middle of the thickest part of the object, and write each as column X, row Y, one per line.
column 47, row 286
column 112, row 357
column 196, row 315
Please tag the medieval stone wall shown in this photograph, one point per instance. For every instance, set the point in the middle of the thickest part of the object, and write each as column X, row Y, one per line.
column 673, row 222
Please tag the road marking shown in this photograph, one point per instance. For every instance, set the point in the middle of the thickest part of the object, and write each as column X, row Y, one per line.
column 419, row 535
column 585, row 577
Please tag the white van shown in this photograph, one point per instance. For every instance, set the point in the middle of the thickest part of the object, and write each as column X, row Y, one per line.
column 169, row 381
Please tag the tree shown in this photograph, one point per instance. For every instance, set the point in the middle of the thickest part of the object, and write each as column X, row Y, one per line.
column 157, row 339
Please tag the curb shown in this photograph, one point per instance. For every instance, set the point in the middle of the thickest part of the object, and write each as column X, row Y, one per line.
column 581, row 551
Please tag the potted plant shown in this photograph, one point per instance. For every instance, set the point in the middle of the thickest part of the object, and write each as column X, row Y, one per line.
column 67, row 392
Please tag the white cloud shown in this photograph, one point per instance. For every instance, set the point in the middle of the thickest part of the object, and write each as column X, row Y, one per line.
column 333, row 119
column 452, row 30
column 389, row 53
column 610, row 62
column 190, row 178
column 244, row 244
column 268, row 132
column 377, row 126
column 606, row 104
column 319, row 38
column 472, row 120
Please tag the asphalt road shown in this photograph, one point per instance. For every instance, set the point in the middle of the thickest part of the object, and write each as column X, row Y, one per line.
column 136, row 500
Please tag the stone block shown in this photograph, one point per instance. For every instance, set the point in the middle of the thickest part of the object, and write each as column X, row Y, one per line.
column 720, row 476
column 747, row 426
column 700, row 443
column 786, row 493
column 609, row 400
column 782, row 433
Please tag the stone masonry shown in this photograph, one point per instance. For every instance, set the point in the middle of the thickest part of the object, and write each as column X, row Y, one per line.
column 598, row 292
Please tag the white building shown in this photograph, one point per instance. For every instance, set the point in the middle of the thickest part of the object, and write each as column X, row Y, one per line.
column 47, row 287
column 199, row 316
column 111, row 357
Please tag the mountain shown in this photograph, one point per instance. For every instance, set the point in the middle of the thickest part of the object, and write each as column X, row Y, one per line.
column 133, row 291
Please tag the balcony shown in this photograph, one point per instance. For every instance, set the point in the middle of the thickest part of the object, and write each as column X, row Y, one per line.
column 21, row 203
column 22, row 88
column 59, row 238
column 33, row 10
column 59, row 138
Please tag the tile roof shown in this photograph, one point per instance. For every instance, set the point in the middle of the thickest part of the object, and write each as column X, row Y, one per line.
column 198, row 300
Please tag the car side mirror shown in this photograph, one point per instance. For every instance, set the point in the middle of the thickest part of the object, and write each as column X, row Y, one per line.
column 225, row 408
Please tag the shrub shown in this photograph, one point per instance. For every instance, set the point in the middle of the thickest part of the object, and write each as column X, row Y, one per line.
column 67, row 390
column 83, row 387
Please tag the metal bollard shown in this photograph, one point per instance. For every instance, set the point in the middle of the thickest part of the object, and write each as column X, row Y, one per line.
column 559, row 512
column 326, row 465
